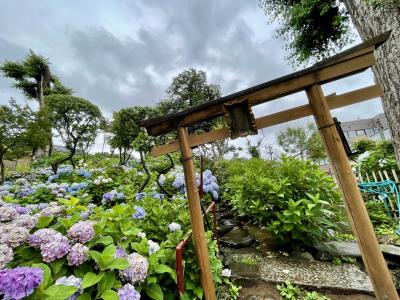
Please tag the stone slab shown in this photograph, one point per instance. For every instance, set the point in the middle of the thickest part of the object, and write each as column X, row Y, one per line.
column 316, row 274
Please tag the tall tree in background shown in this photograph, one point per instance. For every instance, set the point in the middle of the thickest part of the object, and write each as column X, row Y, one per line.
column 124, row 129
column 190, row 88
column 302, row 142
column 14, row 124
column 315, row 29
column 76, row 120
column 34, row 79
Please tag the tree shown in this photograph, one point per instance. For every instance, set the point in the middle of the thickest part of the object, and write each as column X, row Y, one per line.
column 374, row 155
column 190, row 88
column 125, row 129
column 303, row 142
column 254, row 150
column 34, row 79
column 316, row 28
column 76, row 120
column 14, row 124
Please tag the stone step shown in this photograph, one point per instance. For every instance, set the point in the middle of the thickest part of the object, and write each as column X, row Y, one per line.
column 330, row 250
column 250, row 269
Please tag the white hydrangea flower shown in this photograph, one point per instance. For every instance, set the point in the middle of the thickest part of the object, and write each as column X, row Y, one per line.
column 226, row 273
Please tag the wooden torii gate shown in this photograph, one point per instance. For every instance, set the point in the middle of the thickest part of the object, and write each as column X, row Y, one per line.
column 237, row 109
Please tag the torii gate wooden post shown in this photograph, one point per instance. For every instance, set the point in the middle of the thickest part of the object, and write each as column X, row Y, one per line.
column 356, row 210
column 349, row 62
column 196, row 218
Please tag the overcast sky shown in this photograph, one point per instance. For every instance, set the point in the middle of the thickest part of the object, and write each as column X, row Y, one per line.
column 120, row 53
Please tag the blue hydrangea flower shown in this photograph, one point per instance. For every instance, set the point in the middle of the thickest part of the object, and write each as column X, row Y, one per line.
column 157, row 196
column 140, row 195
column 71, row 281
column 174, row 227
column 140, row 213
column 153, row 247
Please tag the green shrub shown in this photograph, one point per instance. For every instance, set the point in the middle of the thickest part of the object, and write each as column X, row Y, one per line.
column 378, row 213
column 297, row 201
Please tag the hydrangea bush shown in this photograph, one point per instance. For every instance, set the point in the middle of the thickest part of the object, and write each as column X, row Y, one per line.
column 87, row 233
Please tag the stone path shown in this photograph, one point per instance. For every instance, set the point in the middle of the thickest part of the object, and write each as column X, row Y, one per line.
column 248, row 267
column 256, row 262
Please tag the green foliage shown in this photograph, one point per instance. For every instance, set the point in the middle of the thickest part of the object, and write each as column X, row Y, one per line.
column 124, row 128
column 379, row 214
column 14, row 124
column 302, row 142
column 343, row 260
column 291, row 292
column 314, row 29
column 297, row 201
column 288, row 291
column 76, row 120
column 190, row 88
column 378, row 156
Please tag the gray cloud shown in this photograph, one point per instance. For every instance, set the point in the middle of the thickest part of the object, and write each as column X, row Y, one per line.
column 124, row 53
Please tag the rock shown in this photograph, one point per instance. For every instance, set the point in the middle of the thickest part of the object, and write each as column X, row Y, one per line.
column 230, row 222
column 261, row 235
column 330, row 250
column 390, row 250
column 236, row 238
column 222, row 229
column 391, row 254
column 302, row 255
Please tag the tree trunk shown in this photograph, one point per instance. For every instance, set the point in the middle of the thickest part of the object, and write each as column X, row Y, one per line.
column 2, row 169
column 370, row 22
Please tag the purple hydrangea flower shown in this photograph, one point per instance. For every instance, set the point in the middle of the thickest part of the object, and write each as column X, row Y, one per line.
column 43, row 236
column 21, row 210
column 6, row 255
column 55, row 249
column 51, row 211
column 137, row 270
column 12, row 235
column 108, row 196
column 71, row 281
column 140, row 213
column 128, row 292
column 82, row 231
column 77, row 255
column 20, row 282
column 7, row 213
column 120, row 253
column 26, row 221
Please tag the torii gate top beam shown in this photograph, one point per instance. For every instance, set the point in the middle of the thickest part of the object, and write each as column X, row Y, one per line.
column 346, row 63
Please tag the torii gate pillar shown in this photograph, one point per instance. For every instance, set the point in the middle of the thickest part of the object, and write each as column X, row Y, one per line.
column 196, row 218
column 356, row 210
